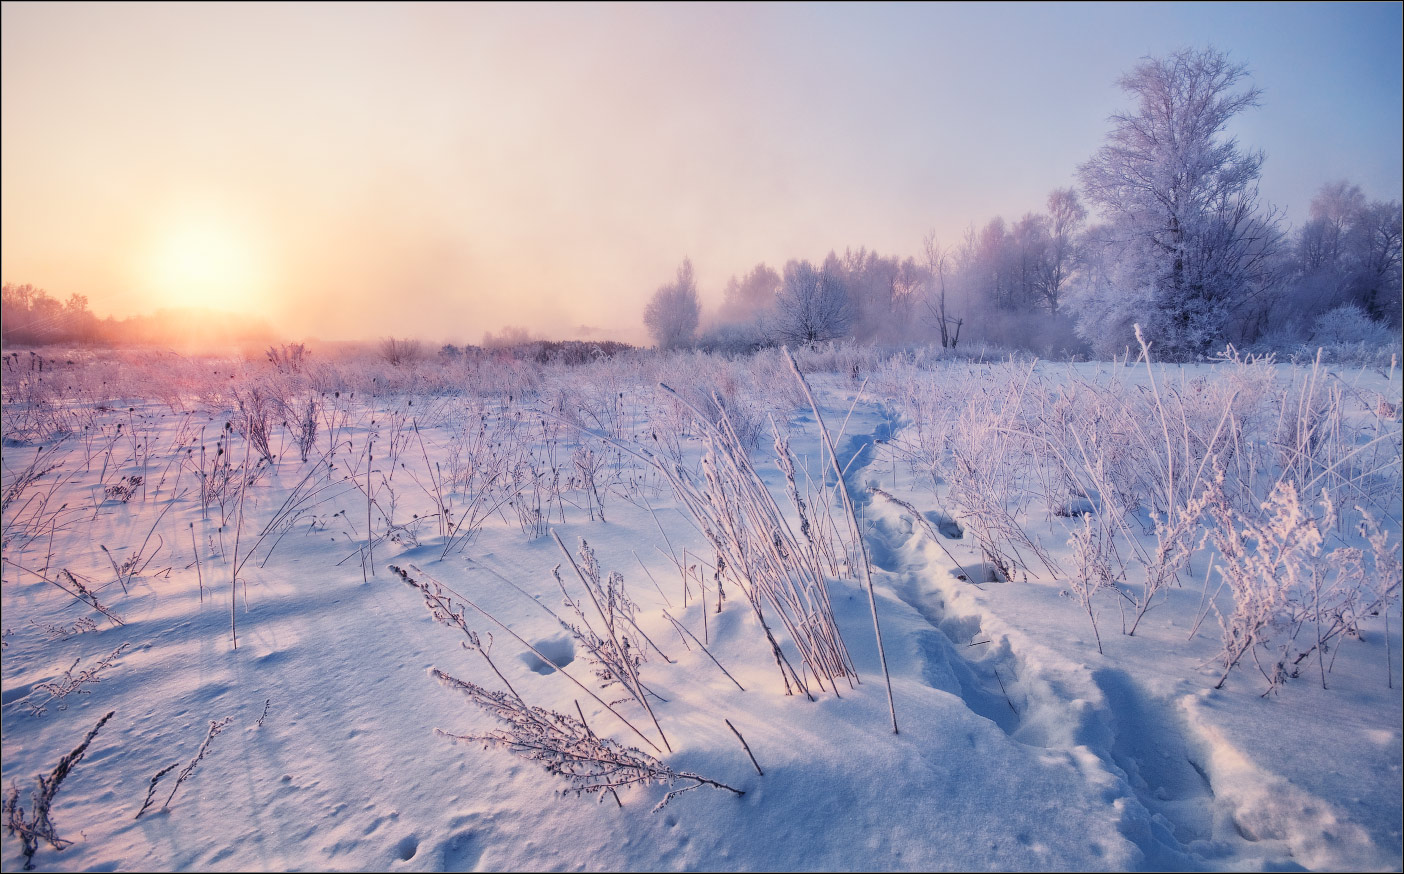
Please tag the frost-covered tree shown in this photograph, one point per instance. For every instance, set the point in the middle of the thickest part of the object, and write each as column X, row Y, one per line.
column 939, row 306
column 1347, row 255
column 1065, row 217
column 883, row 291
column 671, row 315
column 813, row 306
column 748, row 298
column 1377, row 241
column 29, row 315
column 1185, row 235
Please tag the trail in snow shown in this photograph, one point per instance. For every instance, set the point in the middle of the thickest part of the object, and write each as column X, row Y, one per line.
column 1143, row 750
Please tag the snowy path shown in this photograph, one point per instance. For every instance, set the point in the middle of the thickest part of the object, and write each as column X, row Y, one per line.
column 1154, row 757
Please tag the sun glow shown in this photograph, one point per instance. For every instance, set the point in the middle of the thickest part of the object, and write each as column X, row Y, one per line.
column 210, row 261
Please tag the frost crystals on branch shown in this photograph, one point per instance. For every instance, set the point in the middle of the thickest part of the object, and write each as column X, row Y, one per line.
column 37, row 825
column 567, row 747
column 1292, row 598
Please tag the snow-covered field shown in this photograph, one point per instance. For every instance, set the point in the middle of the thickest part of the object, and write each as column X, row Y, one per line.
column 238, row 559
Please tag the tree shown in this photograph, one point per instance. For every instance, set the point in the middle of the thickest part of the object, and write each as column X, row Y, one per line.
column 400, row 352
column 672, row 314
column 1065, row 216
column 1185, row 232
column 813, row 304
column 882, row 291
column 29, row 315
column 1374, row 243
column 1346, row 255
column 938, row 265
column 749, row 298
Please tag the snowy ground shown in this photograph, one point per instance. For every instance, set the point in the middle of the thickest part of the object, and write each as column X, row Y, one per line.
column 1020, row 746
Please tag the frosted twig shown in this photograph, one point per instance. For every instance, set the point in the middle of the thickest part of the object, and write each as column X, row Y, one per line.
column 215, row 729
column 745, row 746
column 151, row 789
column 678, row 625
column 568, row 748
column 38, row 824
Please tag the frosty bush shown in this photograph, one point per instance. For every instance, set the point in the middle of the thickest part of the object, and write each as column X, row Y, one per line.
column 1347, row 324
column 1347, row 335
column 1292, row 597
column 673, row 311
column 399, row 352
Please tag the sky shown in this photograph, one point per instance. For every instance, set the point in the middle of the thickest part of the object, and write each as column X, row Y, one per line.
column 356, row 171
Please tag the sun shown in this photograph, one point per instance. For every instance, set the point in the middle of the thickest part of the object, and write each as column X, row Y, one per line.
column 204, row 259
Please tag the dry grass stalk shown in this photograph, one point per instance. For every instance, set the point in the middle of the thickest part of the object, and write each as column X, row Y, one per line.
column 855, row 531
column 214, row 730
column 616, row 660
column 151, row 787
column 567, row 747
column 745, row 746
column 71, row 683
column 37, row 824
column 683, row 629
column 440, row 601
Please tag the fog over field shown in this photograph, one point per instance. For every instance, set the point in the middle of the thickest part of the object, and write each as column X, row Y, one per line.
column 441, row 171
column 501, row 437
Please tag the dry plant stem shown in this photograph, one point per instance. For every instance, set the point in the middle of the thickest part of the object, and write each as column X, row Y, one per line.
column 1005, row 692
column 83, row 596
column 438, row 493
column 567, row 747
column 1164, row 429
column 857, row 533
column 135, row 569
column 215, row 729
column 678, row 625
column 440, row 602
column 552, row 613
column 631, row 677
column 151, row 789
column 652, row 580
column 702, row 598
column 234, row 575
column 671, row 553
column 68, row 684
column 39, row 824
column 292, row 506
column 587, row 728
column 370, row 534
column 745, row 746
column 199, row 575
column 687, row 590
column 764, row 573
column 115, row 569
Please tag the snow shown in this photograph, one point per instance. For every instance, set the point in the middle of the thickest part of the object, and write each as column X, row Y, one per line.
column 1021, row 747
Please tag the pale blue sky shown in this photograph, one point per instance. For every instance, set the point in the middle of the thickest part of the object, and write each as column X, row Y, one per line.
column 444, row 170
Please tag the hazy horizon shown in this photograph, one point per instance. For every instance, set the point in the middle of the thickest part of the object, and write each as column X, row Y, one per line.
column 442, row 171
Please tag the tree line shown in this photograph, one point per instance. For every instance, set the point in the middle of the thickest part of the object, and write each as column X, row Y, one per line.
column 29, row 316
column 1165, row 229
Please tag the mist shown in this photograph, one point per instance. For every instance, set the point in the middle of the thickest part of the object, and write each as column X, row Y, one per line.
column 548, row 167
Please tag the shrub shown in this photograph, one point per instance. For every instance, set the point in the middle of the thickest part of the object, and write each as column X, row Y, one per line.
column 398, row 352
